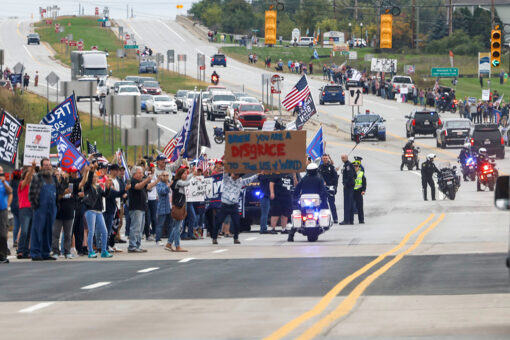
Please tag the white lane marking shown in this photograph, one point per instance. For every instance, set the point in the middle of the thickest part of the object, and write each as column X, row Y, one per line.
column 11, row 257
column 166, row 128
column 30, row 54
column 220, row 251
column 36, row 307
column 172, row 30
column 146, row 270
column 415, row 173
column 187, row 259
column 251, row 239
column 96, row 285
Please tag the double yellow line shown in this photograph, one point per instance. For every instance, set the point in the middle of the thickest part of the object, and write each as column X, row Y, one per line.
column 349, row 302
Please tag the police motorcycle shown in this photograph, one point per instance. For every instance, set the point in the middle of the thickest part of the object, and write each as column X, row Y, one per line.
column 219, row 135
column 409, row 156
column 469, row 168
column 448, row 180
column 310, row 220
column 229, row 125
column 486, row 173
column 215, row 78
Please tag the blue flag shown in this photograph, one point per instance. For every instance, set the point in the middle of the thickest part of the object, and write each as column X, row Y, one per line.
column 15, row 78
column 315, row 54
column 182, row 138
column 316, row 147
column 68, row 155
column 62, row 119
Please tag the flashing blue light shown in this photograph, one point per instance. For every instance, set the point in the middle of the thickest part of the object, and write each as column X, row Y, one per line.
column 257, row 193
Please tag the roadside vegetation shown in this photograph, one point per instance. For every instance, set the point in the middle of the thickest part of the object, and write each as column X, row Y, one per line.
column 89, row 29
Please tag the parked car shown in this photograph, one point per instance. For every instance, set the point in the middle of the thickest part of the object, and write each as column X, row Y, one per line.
column 128, row 90
column 33, row 38
column 252, row 115
column 148, row 66
column 362, row 122
column 164, row 104
column 147, row 103
column 219, row 60
column 423, row 123
column 332, row 94
column 122, row 83
column 453, row 132
column 306, row 41
column 357, row 42
column 151, row 87
column 180, row 97
column 220, row 102
column 487, row 136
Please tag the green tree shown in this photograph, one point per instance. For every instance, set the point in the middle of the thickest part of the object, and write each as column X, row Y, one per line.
column 327, row 25
column 439, row 29
column 237, row 16
column 211, row 15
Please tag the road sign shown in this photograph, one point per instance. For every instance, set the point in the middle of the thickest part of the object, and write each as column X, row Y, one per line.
column 127, row 36
column 495, row 63
column 73, row 43
column 275, row 83
column 353, row 55
column 121, row 31
column 18, row 68
column 181, row 57
column 355, row 96
column 445, row 72
column 52, row 78
column 345, row 53
column 132, row 47
column 61, row 29
column 170, row 56
column 486, row 94
column 96, row 11
column 1, row 57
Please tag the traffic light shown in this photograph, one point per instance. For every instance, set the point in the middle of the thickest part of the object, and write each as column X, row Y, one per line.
column 386, row 33
column 495, row 48
column 270, row 28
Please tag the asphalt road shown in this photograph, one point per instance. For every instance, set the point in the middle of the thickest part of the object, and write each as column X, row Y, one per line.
column 431, row 269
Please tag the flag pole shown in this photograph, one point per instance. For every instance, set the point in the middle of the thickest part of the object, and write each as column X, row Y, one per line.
column 199, row 118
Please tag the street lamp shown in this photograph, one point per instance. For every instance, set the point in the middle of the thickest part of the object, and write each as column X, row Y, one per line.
column 350, row 31
column 361, row 37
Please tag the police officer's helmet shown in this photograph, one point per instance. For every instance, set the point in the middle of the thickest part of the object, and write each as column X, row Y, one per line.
column 466, row 145
column 431, row 156
column 411, row 139
column 482, row 151
column 312, row 169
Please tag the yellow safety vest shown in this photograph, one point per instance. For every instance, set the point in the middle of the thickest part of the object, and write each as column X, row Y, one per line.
column 358, row 182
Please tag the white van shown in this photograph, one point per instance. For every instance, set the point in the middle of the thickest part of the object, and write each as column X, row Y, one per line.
column 306, row 41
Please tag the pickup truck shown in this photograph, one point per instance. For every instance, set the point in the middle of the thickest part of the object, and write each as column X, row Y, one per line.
column 399, row 82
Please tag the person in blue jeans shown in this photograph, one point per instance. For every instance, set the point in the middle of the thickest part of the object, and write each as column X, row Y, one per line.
column 164, row 217
column 16, row 176
column 93, row 202
column 264, row 201
column 43, row 198
column 137, row 195
column 5, row 198
column 189, row 223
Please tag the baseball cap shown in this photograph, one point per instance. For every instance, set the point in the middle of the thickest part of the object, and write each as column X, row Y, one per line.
column 71, row 169
column 161, row 157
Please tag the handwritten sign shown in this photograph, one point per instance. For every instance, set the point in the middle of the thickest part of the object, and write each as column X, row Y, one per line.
column 37, row 143
column 256, row 151
column 199, row 189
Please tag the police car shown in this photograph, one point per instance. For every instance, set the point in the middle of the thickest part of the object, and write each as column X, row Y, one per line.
column 332, row 94
column 368, row 125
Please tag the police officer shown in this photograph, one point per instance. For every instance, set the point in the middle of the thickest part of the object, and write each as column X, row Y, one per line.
column 463, row 156
column 410, row 145
column 312, row 183
column 427, row 170
column 360, row 186
column 348, row 176
column 359, row 159
column 330, row 176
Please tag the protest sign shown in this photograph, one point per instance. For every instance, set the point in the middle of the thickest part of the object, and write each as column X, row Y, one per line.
column 10, row 132
column 37, row 143
column 256, row 151
column 199, row 189
column 62, row 119
column 213, row 197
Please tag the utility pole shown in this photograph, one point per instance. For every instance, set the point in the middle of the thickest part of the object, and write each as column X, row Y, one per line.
column 450, row 19
column 417, row 27
column 492, row 14
column 334, row 9
column 413, row 25
column 127, row 11
column 356, row 10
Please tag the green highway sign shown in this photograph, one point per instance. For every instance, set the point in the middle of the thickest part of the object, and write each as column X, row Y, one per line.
column 345, row 53
column 445, row 72
column 131, row 47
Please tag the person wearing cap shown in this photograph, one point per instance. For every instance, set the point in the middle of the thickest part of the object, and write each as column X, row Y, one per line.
column 358, row 158
column 410, row 145
column 360, row 186
column 64, row 219
column 162, row 165
column 328, row 172
column 348, row 177
column 427, row 170
column 463, row 157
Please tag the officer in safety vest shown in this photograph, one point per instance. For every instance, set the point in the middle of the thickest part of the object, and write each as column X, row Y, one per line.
column 360, row 186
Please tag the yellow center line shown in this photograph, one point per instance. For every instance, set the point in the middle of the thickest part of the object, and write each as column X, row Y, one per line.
column 349, row 302
column 326, row 299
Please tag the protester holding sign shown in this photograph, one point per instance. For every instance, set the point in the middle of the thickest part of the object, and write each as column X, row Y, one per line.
column 25, row 212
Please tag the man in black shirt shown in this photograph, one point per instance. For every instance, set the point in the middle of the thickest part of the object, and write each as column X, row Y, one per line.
column 348, row 176
column 281, row 200
column 137, row 206
column 264, row 201
column 330, row 176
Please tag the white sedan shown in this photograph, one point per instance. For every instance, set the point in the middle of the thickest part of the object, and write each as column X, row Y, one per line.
column 164, row 103
column 128, row 90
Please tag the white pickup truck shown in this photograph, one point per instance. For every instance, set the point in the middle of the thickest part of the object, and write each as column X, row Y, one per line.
column 399, row 82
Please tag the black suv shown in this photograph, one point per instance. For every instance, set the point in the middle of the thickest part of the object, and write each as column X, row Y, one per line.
column 423, row 123
column 33, row 38
column 489, row 137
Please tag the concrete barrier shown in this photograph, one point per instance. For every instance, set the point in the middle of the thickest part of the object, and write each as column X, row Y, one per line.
column 197, row 29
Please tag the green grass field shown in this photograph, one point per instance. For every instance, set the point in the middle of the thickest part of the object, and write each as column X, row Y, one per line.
column 423, row 64
column 88, row 29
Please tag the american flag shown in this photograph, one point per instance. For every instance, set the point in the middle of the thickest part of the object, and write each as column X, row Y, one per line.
column 170, row 147
column 123, row 163
column 91, row 148
column 75, row 136
column 298, row 93
column 203, row 163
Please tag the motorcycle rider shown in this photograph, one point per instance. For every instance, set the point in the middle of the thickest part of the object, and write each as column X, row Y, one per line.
column 410, row 145
column 481, row 158
column 427, row 170
column 232, row 124
column 463, row 157
column 311, row 183
column 278, row 125
column 215, row 78
column 330, row 176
